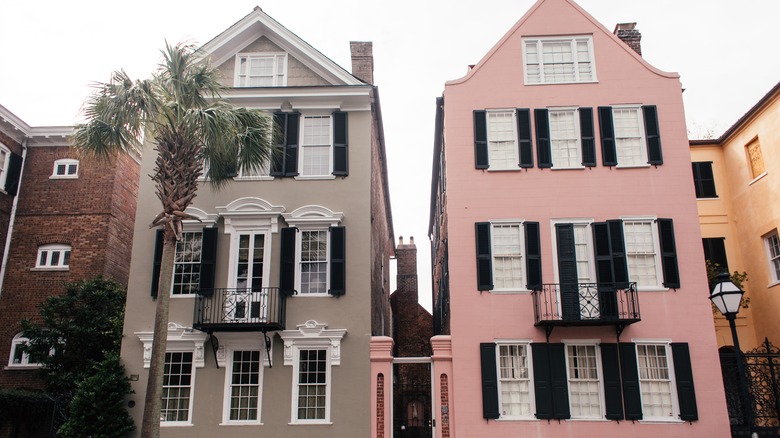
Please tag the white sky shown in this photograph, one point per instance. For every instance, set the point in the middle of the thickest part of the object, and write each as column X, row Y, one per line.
column 724, row 50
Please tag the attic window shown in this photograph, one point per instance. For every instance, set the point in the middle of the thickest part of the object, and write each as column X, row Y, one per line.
column 65, row 168
column 261, row 70
column 559, row 60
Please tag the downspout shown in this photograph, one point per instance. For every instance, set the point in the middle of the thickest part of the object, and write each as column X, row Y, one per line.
column 13, row 217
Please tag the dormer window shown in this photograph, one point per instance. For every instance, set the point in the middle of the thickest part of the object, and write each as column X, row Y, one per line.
column 65, row 168
column 261, row 70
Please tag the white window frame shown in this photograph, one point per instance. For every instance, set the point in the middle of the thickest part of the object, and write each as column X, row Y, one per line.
column 526, row 343
column 187, row 230
column 24, row 362
column 279, row 79
column 61, row 250
column 513, row 148
column 188, row 421
column 312, row 218
column 230, row 343
column 520, row 224
column 675, row 414
column 299, row 260
column 69, row 164
column 659, row 275
column 599, row 373
column 576, row 163
column 539, row 43
column 312, row 335
column 302, row 147
column 5, row 159
column 772, row 258
column 261, row 174
column 621, row 160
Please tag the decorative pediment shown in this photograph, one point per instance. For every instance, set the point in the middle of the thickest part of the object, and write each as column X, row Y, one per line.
column 313, row 215
column 250, row 213
column 312, row 334
column 180, row 338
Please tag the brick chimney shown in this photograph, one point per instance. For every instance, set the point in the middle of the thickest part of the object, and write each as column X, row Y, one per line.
column 362, row 60
column 628, row 33
column 406, row 269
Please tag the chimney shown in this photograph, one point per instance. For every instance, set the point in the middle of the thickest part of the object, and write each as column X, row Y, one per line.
column 362, row 60
column 628, row 33
column 406, row 268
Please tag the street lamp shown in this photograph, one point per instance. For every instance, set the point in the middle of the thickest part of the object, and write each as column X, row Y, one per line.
column 727, row 297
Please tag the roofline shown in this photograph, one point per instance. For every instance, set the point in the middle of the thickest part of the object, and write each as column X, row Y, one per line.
column 383, row 159
column 750, row 113
column 436, row 171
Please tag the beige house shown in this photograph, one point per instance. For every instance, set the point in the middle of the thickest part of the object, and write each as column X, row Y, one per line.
column 737, row 178
column 279, row 287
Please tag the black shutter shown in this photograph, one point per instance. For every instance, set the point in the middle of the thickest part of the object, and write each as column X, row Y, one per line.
column 683, row 374
column 613, row 398
column 484, row 256
column 524, row 137
column 715, row 252
column 543, row 392
column 630, row 377
column 543, row 152
column 480, row 140
column 533, row 256
column 208, row 260
column 668, row 254
column 567, row 272
column 14, row 172
column 601, row 248
column 157, row 261
column 337, row 261
column 287, row 262
column 487, row 352
column 611, row 265
column 587, row 137
column 618, row 248
column 652, row 135
column 340, row 144
column 704, row 180
column 280, row 133
column 291, row 145
column 559, row 381
column 608, row 151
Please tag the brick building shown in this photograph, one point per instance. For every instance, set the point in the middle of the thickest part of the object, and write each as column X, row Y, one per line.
column 69, row 219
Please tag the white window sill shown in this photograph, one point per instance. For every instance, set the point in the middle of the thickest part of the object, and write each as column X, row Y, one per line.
column 508, row 419
column 567, row 168
column 176, row 424
column 652, row 289
column 311, row 423
column 64, row 177
column 631, row 166
column 560, row 83
column 716, row 198
column 509, row 291
column 314, row 177
column 246, row 423
column 773, row 284
column 3, row 190
column 513, row 169
column 51, row 269
column 757, row 178
column 183, row 295
column 253, row 178
column 592, row 420
column 298, row 295
column 662, row 421
column 24, row 367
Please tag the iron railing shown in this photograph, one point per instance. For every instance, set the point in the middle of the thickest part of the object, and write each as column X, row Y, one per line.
column 586, row 304
column 239, row 309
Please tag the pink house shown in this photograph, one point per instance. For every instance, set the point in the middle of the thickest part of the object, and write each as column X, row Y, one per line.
column 568, row 279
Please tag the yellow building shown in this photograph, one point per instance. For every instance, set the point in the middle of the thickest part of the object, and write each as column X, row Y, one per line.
column 737, row 178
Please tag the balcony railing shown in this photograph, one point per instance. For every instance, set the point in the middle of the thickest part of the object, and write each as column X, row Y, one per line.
column 239, row 310
column 580, row 304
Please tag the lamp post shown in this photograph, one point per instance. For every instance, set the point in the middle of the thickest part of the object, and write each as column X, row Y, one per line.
column 727, row 297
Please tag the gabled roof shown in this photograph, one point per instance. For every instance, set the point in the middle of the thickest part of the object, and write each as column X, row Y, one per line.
column 258, row 24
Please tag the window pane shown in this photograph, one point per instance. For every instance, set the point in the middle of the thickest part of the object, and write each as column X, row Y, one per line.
column 507, row 259
column 177, row 379
column 245, row 386
column 316, row 146
column 640, row 252
column 564, row 139
column 654, row 380
column 629, row 139
column 514, row 382
column 314, row 267
column 584, row 395
column 502, row 140
column 186, row 270
column 312, row 384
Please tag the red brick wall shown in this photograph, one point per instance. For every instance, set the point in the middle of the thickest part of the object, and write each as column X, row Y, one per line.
column 94, row 214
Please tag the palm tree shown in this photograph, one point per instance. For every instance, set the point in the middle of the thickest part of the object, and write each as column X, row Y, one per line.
column 181, row 114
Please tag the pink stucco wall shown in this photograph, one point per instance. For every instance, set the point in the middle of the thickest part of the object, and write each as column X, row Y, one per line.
column 598, row 193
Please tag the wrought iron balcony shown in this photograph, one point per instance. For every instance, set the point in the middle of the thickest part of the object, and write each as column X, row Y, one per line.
column 239, row 310
column 580, row 304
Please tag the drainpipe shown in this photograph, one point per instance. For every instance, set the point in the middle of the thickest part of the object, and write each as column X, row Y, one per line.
column 13, row 217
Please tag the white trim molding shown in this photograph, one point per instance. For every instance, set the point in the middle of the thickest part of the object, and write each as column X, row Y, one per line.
column 250, row 213
column 180, row 338
column 312, row 334
column 313, row 215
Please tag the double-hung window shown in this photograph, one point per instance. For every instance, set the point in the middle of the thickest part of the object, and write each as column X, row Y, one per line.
column 312, row 382
column 502, row 139
column 314, row 262
column 245, row 374
column 655, row 381
column 508, row 255
column 514, row 381
column 261, row 70
column 178, row 375
column 316, row 146
column 559, row 60
column 565, row 138
column 584, row 387
column 641, row 242
column 53, row 257
column 629, row 136
column 186, row 267
column 773, row 252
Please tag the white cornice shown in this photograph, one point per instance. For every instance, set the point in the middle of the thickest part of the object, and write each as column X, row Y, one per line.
column 250, row 213
column 344, row 98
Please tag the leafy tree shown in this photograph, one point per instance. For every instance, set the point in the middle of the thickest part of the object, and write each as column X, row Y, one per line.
column 180, row 112
column 98, row 406
column 76, row 331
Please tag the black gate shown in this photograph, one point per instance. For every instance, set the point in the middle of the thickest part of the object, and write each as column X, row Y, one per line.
column 762, row 369
column 412, row 401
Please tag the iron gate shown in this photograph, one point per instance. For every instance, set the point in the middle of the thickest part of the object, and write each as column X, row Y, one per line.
column 412, row 401
column 762, row 369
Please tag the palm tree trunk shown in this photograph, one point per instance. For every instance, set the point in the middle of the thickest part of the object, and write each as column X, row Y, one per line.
column 150, row 426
